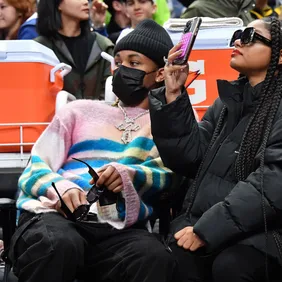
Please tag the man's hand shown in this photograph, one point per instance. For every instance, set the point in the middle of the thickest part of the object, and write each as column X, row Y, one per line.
column 73, row 198
column 187, row 239
column 98, row 13
column 110, row 178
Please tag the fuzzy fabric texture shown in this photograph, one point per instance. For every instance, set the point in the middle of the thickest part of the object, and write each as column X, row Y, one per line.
column 87, row 130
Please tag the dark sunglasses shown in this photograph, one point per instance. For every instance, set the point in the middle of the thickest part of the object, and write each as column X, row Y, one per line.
column 248, row 35
column 93, row 195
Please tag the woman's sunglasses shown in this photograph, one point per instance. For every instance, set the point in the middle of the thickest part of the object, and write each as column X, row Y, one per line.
column 249, row 35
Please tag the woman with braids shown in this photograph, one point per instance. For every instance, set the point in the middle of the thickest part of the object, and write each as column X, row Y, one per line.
column 231, row 225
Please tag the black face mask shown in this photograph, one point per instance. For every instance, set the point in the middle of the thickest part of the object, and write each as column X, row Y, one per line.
column 128, row 85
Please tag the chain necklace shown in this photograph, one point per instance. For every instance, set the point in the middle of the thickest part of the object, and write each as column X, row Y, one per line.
column 128, row 125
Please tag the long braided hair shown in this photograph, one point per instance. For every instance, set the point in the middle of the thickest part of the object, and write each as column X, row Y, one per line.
column 258, row 130
column 259, row 127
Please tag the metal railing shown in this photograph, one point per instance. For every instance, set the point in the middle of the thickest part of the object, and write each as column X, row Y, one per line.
column 18, row 157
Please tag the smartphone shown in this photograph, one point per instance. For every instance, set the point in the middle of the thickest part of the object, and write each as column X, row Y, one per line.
column 187, row 40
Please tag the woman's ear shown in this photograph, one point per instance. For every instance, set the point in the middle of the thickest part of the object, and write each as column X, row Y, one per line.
column 280, row 58
column 160, row 75
column 60, row 6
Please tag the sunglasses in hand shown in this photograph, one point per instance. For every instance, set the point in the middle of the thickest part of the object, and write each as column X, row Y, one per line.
column 247, row 36
column 93, row 195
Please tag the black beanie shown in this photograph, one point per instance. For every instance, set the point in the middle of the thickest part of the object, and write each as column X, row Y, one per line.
column 149, row 39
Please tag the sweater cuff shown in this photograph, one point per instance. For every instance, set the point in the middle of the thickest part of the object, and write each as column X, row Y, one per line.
column 132, row 201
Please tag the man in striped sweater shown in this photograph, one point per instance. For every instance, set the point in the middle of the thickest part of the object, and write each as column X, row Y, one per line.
column 116, row 141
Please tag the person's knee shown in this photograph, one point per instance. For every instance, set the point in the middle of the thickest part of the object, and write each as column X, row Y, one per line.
column 152, row 251
column 150, row 259
column 50, row 242
column 67, row 244
column 226, row 265
column 47, row 238
column 65, row 240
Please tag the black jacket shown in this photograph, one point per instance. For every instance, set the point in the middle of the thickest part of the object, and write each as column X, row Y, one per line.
column 91, row 83
column 225, row 211
column 113, row 30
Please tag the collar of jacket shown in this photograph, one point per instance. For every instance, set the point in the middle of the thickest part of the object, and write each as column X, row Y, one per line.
column 239, row 97
column 113, row 26
column 100, row 44
column 239, row 92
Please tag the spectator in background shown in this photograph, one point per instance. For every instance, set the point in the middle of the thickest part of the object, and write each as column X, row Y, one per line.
column 98, row 11
column 28, row 28
column 122, row 15
column 98, row 17
column 13, row 13
column 137, row 11
column 119, row 19
column 176, row 8
column 272, row 9
column 223, row 8
column 163, row 13
column 64, row 27
column 186, row 3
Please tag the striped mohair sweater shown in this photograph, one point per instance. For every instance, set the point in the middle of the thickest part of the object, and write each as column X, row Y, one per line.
column 87, row 130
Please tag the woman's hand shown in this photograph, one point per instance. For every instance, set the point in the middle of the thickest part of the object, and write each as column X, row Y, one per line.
column 175, row 75
column 187, row 239
column 98, row 13
column 110, row 178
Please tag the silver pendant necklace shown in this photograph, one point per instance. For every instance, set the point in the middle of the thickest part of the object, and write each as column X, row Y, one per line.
column 128, row 125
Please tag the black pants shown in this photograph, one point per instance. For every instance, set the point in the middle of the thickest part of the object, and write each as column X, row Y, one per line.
column 235, row 264
column 52, row 249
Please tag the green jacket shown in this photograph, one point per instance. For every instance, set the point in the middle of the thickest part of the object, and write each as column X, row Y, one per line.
column 221, row 9
column 91, row 84
column 162, row 14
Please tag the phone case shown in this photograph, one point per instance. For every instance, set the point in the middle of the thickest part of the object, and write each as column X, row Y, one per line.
column 187, row 40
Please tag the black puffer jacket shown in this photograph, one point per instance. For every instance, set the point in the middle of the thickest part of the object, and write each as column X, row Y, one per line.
column 225, row 211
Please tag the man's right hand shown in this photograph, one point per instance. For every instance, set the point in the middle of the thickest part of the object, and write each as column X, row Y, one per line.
column 73, row 198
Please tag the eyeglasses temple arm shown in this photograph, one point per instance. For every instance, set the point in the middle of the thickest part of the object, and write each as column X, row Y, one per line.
column 91, row 171
column 64, row 207
column 263, row 39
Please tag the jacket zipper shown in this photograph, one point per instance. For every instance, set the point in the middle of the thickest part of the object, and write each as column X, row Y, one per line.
column 82, row 85
column 191, row 201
